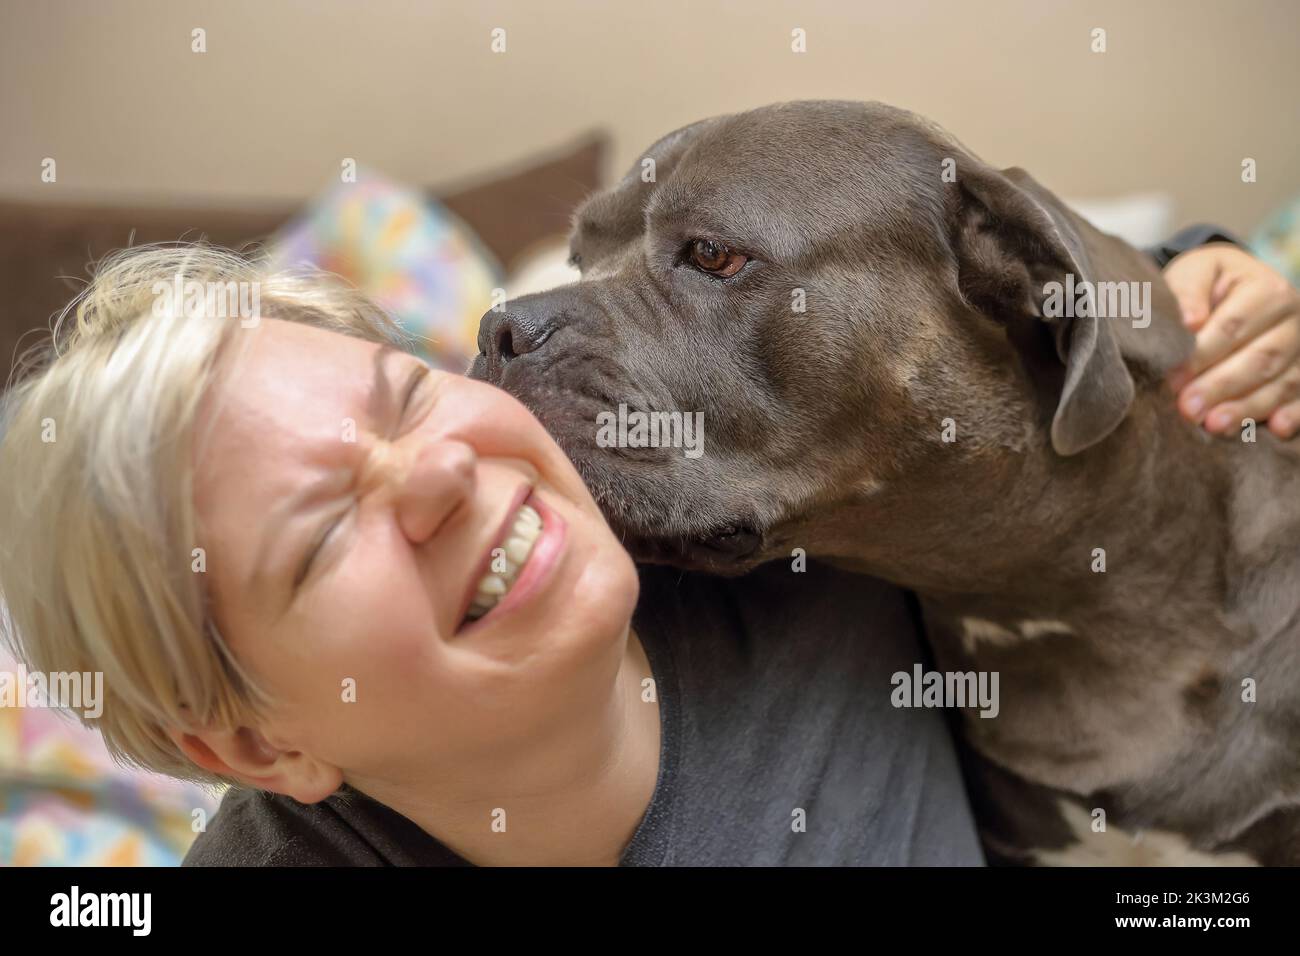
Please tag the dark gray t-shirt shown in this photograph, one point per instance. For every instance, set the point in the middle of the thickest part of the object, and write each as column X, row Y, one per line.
column 779, row 744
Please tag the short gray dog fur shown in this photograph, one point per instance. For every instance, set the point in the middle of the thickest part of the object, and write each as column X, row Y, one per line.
column 921, row 421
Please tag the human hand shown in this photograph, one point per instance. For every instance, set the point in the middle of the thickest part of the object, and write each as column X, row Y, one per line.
column 1246, row 317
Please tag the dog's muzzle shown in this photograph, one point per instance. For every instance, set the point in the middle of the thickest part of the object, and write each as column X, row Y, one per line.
column 505, row 336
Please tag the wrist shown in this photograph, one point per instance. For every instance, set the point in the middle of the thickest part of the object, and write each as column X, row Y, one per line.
column 1192, row 237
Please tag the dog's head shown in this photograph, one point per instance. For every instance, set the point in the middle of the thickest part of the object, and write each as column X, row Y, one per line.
column 843, row 298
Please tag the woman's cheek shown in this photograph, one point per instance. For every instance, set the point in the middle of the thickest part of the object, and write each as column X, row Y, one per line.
column 609, row 586
column 371, row 623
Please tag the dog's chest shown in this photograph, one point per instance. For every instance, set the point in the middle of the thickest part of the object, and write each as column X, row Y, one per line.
column 1123, row 746
column 1094, row 839
column 1073, row 710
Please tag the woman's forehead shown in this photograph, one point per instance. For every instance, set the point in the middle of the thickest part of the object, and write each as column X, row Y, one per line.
column 286, row 401
column 297, row 373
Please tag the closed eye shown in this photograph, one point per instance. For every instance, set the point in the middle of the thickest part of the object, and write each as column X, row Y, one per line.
column 418, row 375
column 305, row 568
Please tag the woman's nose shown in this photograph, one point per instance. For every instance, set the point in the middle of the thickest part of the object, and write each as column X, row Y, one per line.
column 441, row 477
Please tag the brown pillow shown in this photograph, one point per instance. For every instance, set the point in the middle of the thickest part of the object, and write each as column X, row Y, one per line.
column 45, row 247
column 512, row 212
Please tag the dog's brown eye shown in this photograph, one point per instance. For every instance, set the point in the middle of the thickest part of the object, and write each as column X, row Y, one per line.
column 711, row 256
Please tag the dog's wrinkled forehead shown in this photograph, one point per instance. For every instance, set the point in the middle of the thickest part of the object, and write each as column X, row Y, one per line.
column 778, row 179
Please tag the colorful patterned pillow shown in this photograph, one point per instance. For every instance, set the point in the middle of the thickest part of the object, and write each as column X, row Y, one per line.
column 1277, row 241
column 64, row 802
column 406, row 252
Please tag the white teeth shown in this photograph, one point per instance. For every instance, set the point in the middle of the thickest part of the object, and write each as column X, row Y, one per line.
column 518, row 545
column 492, row 586
column 517, row 549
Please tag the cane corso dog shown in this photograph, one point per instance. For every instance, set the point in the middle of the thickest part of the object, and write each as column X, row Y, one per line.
column 920, row 367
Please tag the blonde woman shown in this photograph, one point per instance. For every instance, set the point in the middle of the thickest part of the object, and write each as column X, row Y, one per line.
column 378, row 601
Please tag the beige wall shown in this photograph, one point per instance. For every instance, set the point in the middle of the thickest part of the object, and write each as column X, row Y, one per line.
column 287, row 88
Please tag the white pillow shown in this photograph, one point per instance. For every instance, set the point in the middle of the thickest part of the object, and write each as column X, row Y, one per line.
column 1142, row 219
column 544, row 266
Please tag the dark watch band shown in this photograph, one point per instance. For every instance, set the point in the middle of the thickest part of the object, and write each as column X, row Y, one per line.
column 1189, row 238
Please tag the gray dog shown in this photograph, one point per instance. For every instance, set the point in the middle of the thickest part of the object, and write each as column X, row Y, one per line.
column 911, row 364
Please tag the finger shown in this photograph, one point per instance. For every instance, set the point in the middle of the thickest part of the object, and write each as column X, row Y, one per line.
column 1285, row 422
column 1248, row 310
column 1242, row 372
column 1191, row 278
column 1222, row 286
column 1259, row 405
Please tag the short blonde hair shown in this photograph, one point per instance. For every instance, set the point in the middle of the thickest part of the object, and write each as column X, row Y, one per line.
column 96, row 479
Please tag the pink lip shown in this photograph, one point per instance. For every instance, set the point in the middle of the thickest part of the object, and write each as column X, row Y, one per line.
column 485, row 562
column 541, row 561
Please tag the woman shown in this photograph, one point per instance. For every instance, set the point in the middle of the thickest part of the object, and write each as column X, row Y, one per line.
column 379, row 601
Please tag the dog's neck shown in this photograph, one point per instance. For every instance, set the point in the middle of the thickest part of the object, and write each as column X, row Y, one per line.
column 1197, row 535
column 1034, row 531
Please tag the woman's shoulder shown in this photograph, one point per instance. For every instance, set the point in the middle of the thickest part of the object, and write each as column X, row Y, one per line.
column 794, row 594
column 795, row 620
column 258, row 828
column 784, row 575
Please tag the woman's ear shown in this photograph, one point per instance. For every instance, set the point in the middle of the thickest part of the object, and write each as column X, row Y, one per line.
column 246, row 756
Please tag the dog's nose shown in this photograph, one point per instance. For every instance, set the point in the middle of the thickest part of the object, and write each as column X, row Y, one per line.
column 505, row 335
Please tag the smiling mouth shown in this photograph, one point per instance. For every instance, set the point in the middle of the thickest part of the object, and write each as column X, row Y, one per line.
column 508, row 558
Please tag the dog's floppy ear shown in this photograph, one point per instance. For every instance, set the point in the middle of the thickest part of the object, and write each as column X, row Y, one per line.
column 1012, row 238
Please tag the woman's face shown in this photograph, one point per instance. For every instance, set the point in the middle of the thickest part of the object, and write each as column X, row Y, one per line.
column 351, row 504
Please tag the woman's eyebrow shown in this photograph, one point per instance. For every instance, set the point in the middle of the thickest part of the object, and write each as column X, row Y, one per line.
column 413, row 378
column 381, row 392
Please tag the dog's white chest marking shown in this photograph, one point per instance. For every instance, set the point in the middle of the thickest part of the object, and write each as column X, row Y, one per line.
column 1115, row 846
column 978, row 629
